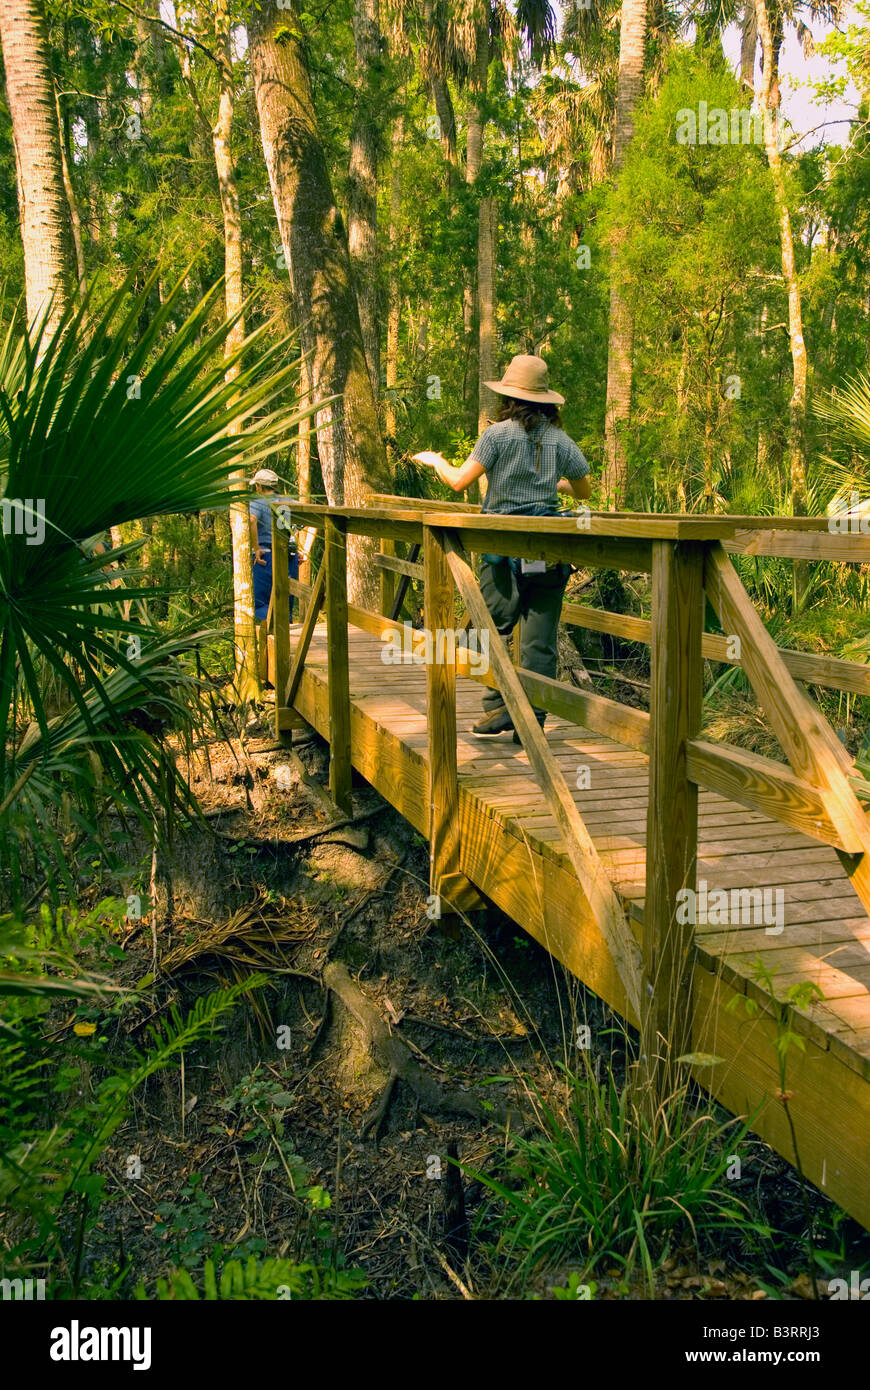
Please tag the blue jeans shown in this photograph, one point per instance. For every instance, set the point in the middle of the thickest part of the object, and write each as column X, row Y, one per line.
column 263, row 583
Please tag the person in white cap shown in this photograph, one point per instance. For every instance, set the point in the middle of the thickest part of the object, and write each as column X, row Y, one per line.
column 528, row 460
column 266, row 484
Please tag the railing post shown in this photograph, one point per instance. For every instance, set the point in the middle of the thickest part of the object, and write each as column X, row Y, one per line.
column 335, row 559
column 438, row 616
column 280, row 619
column 672, row 816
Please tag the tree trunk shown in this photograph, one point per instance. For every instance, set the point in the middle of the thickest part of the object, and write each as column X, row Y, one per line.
column 247, row 678
column 473, row 162
column 748, row 45
column 362, row 232
column 797, row 410
column 350, row 446
column 45, row 223
column 71, row 200
column 435, row 71
column 394, row 313
column 488, row 344
column 632, row 42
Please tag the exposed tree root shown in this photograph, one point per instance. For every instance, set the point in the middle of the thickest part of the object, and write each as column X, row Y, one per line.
column 395, row 1056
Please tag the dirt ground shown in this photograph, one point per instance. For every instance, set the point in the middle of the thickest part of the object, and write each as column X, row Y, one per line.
column 279, row 1102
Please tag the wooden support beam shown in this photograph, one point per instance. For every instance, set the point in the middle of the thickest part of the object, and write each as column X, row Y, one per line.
column 445, row 879
column 388, row 583
column 280, row 614
column 672, row 812
column 335, row 561
column 808, row 741
column 312, row 612
column 593, row 880
column 402, row 586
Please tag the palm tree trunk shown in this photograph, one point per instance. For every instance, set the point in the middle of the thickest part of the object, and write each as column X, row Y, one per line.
column 748, row 45
column 45, row 223
column 362, row 234
column 72, row 202
column 350, row 446
column 488, row 343
column 247, row 666
column 394, row 312
column 473, row 162
column 632, row 43
column 797, row 410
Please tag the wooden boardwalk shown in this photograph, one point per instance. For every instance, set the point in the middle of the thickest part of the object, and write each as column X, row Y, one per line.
column 514, row 852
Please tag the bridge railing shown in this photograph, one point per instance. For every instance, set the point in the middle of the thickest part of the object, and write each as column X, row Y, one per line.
column 687, row 558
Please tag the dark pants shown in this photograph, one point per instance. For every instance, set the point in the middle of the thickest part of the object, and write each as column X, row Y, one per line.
column 263, row 583
column 534, row 598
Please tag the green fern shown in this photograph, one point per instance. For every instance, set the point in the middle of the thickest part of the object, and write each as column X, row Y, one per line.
column 253, row 1280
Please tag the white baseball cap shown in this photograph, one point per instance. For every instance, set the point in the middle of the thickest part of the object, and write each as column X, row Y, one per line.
column 267, row 476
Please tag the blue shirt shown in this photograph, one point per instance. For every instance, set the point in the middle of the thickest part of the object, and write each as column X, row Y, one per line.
column 523, row 469
column 261, row 511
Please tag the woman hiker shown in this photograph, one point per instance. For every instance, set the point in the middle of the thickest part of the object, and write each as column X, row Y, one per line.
column 265, row 483
column 527, row 458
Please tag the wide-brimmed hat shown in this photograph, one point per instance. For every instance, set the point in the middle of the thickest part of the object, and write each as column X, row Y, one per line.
column 527, row 379
column 267, row 476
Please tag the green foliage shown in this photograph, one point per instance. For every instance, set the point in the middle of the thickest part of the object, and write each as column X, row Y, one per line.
column 257, row 1280
column 607, row 1183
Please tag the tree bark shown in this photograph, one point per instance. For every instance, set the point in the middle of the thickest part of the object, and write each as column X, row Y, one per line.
column 75, row 220
column 748, row 45
column 436, row 74
column 488, row 342
column 394, row 311
column 362, row 236
column 45, row 222
column 797, row 410
column 629, row 89
column 473, row 163
column 350, row 446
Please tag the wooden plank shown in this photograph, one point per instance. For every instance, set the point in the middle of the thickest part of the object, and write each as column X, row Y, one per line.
column 388, row 562
column 302, row 646
column 280, row 609
column 762, row 785
column 340, row 768
column 445, row 879
column 800, row 545
column 807, row 740
column 618, row 721
column 828, row 671
column 830, row 1105
column 587, row 865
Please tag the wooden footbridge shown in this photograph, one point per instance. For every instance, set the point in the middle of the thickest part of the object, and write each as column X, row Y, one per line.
column 589, row 835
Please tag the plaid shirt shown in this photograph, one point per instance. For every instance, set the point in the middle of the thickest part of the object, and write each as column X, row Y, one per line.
column 522, row 469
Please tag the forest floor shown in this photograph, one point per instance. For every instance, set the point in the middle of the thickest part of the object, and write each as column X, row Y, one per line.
column 278, row 1106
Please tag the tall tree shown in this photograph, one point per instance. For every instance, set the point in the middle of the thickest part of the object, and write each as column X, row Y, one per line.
column 629, row 88
column 45, row 220
column 362, row 213
column 220, row 133
column 351, row 450
column 797, row 411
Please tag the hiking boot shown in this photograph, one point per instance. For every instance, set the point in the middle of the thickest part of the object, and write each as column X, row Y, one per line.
column 491, row 725
column 540, row 718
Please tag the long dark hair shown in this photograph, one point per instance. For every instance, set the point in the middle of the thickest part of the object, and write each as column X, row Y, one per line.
column 530, row 414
